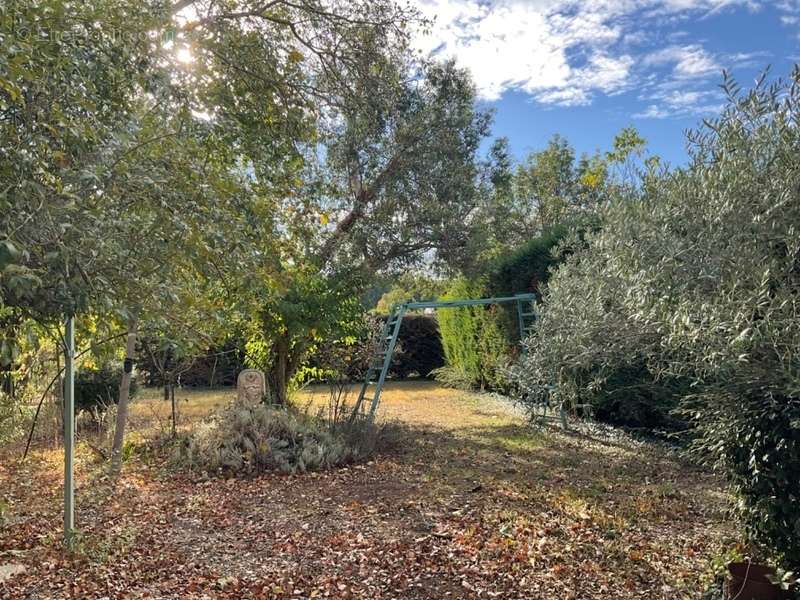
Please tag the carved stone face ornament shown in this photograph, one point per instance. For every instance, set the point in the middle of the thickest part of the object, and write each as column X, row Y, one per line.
column 251, row 386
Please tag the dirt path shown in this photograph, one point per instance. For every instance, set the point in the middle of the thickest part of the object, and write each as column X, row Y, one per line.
column 476, row 505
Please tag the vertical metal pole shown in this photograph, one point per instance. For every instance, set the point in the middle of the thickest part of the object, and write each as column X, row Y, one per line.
column 69, row 431
column 520, row 320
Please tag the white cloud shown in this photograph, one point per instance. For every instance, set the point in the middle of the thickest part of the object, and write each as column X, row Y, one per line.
column 653, row 112
column 564, row 97
column 686, row 90
column 671, row 102
column 536, row 47
column 567, row 52
column 687, row 61
column 506, row 46
column 790, row 13
column 742, row 60
column 564, row 51
column 605, row 73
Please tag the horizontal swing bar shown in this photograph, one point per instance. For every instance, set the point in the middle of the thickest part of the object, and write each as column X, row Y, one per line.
column 476, row 302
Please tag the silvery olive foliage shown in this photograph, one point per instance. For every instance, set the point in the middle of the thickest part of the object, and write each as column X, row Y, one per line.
column 695, row 277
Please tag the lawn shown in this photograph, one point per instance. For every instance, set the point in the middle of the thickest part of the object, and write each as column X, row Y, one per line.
column 475, row 504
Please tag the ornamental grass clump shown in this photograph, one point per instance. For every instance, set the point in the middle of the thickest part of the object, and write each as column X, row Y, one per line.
column 246, row 439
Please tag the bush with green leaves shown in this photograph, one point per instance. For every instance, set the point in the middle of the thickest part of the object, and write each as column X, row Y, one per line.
column 633, row 396
column 528, row 268
column 245, row 439
column 475, row 341
column 12, row 418
column 697, row 277
column 479, row 342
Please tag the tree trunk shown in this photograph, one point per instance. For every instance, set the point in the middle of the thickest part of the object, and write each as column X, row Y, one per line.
column 124, row 395
column 279, row 391
column 213, row 373
column 286, row 360
column 174, row 411
column 58, row 398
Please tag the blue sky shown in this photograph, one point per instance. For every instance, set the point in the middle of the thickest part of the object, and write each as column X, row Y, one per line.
column 588, row 68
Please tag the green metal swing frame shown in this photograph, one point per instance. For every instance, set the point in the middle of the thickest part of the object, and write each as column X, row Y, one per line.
column 382, row 360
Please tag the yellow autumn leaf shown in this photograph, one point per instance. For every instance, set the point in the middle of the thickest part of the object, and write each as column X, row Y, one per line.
column 591, row 180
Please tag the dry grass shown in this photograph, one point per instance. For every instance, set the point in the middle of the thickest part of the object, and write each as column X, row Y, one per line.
column 413, row 402
column 193, row 404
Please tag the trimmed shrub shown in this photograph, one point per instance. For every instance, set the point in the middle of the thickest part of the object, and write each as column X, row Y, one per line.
column 528, row 268
column 475, row 341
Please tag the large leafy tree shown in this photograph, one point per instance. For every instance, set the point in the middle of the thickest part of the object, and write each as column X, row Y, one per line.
column 115, row 190
column 386, row 176
column 70, row 84
column 391, row 188
column 115, row 156
column 297, row 140
column 402, row 173
column 67, row 83
column 123, row 198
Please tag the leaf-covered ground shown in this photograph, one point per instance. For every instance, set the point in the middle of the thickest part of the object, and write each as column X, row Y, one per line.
column 476, row 505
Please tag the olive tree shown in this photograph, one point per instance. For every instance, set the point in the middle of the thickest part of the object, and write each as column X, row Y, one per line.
column 692, row 282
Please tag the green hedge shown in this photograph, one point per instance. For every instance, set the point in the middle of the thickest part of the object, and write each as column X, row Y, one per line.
column 475, row 341
column 479, row 342
column 528, row 268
